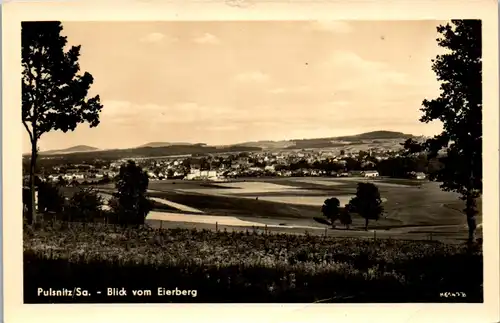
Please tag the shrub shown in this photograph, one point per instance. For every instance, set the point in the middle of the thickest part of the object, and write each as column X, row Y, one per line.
column 85, row 206
column 50, row 198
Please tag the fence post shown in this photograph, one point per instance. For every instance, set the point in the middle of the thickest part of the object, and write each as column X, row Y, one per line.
column 374, row 235
column 430, row 236
column 326, row 231
column 265, row 229
column 216, row 226
column 161, row 225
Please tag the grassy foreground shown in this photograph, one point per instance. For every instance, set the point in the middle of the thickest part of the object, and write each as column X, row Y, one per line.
column 243, row 267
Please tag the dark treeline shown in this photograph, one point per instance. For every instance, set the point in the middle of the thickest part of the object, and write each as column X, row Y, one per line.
column 156, row 152
column 397, row 167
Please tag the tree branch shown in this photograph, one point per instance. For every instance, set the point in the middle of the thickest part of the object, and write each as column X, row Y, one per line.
column 28, row 130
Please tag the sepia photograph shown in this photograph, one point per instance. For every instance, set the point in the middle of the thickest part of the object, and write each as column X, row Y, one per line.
column 324, row 161
column 229, row 162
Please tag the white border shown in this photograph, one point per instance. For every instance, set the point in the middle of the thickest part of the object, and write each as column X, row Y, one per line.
column 14, row 13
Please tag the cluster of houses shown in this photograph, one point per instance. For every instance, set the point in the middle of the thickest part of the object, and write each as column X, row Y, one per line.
column 220, row 167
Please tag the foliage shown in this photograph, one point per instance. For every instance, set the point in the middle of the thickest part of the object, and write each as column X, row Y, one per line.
column 331, row 209
column 84, row 205
column 54, row 94
column 61, row 181
column 130, row 202
column 411, row 147
column 345, row 217
column 247, row 267
column 367, row 202
column 400, row 167
column 50, row 198
column 459, row 108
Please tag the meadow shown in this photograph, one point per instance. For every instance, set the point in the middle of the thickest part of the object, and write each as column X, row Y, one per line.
column 413, row 209
column 244, row 266
column 417, row 208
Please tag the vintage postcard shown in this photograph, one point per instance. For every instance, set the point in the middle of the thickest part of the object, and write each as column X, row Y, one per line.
column 298, row 160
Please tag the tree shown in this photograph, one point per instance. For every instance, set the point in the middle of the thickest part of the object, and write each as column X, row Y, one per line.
column 330, row 209
column 345, row 217
column 459, row 108
column 54, row 94
column 130, row 202
column 50, row 198
column 84, row 205
column 367, row 202
column 61, row 181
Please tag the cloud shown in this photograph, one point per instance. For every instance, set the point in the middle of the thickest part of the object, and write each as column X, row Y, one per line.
column 296, row 89
column 156, row 38
column 128, row 113
column 207, row 39
column 255, row 76
column 357, row 70
column 330, row 26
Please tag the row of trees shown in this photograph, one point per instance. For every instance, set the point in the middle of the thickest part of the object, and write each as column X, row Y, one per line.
column 399, row 166
column 128, row 206
column 367, row 203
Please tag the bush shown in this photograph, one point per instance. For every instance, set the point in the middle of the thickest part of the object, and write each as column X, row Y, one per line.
column 85, row 206
column 50, row 198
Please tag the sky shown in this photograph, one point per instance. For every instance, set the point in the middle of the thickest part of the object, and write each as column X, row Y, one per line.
column 229, row 82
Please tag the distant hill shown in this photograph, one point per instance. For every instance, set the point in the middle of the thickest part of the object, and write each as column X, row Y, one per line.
column 373, row 135
column 267, row 144
column 145, row 152
column 157, row 149
column 168, row 144
column 70, row 150
column 327, row 142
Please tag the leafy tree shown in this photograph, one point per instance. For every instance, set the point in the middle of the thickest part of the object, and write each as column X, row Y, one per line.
column 345, row 217
column 459, row 108
column 130, row 202
column 84, row 205
column 61, row 181
column 105, row 179
column 331, row 209
column 352, row 164
column 50, row 198
column 54, row 93
column 411, row 147
column 367, row 202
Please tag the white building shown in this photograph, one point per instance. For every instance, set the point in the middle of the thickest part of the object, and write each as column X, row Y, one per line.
column 370, row 173
column 201, row 174
column 269, row 168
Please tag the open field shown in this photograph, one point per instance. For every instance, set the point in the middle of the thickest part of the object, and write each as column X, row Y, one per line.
column 244, row 267
column 416, row 208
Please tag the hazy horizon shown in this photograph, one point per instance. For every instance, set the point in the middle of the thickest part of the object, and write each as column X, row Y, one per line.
column 224, row 83
column 194, row 143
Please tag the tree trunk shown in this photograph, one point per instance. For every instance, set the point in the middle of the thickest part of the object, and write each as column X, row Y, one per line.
column 32, row 208
column 471, row 212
